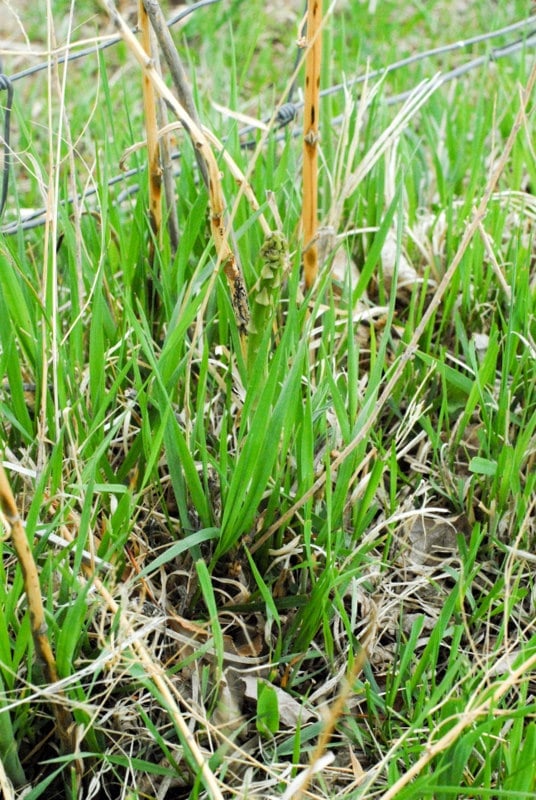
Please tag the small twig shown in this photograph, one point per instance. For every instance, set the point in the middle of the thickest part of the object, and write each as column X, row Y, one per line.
column 240, row 178
column 311, row 113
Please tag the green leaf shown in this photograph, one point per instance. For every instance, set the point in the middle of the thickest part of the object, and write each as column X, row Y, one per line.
column 9, row 746
column 176, row 549
column 182, row 468
column 261, row 448
column 271, row 608
column 374, row 254
column 267, row 709
column 482, row 466
column 459, row 381
column 207, row 590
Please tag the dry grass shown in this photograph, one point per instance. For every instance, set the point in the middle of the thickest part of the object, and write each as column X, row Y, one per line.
column 301, row 566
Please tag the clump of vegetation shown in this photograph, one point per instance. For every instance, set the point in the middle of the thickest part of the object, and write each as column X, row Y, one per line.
column 278, row 527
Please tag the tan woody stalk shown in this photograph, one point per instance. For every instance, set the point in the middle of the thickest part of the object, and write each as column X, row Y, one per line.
column 64, row 721
column 172, row 58
column 151, row 129
column 411, row 348
column 216, row 200
column 311, row 112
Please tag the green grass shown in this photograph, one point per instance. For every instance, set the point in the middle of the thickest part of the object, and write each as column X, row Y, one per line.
column 134, row 426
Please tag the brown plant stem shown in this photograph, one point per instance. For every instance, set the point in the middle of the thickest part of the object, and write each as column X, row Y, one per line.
column 64, row 720
column 225, row 255
column 413, row 344
column 178, row 74
column 168, row 177
column 151, row 128
column 311, row 111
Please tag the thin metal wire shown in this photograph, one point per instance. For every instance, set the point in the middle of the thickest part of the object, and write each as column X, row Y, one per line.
column 462, row 44
column 288, row 112
column 494, row 55
column 6, row 84
column 87, row 51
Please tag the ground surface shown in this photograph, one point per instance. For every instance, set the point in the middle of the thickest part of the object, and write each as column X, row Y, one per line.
column 316, row 546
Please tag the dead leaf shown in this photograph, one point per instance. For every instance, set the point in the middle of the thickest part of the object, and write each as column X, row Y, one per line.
column 431, row 540
column 393, row 257
column 291, row 712
column 228, row 712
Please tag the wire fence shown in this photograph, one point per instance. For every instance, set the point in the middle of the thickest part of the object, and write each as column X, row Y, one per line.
column 6, row 84
column 283, row 116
